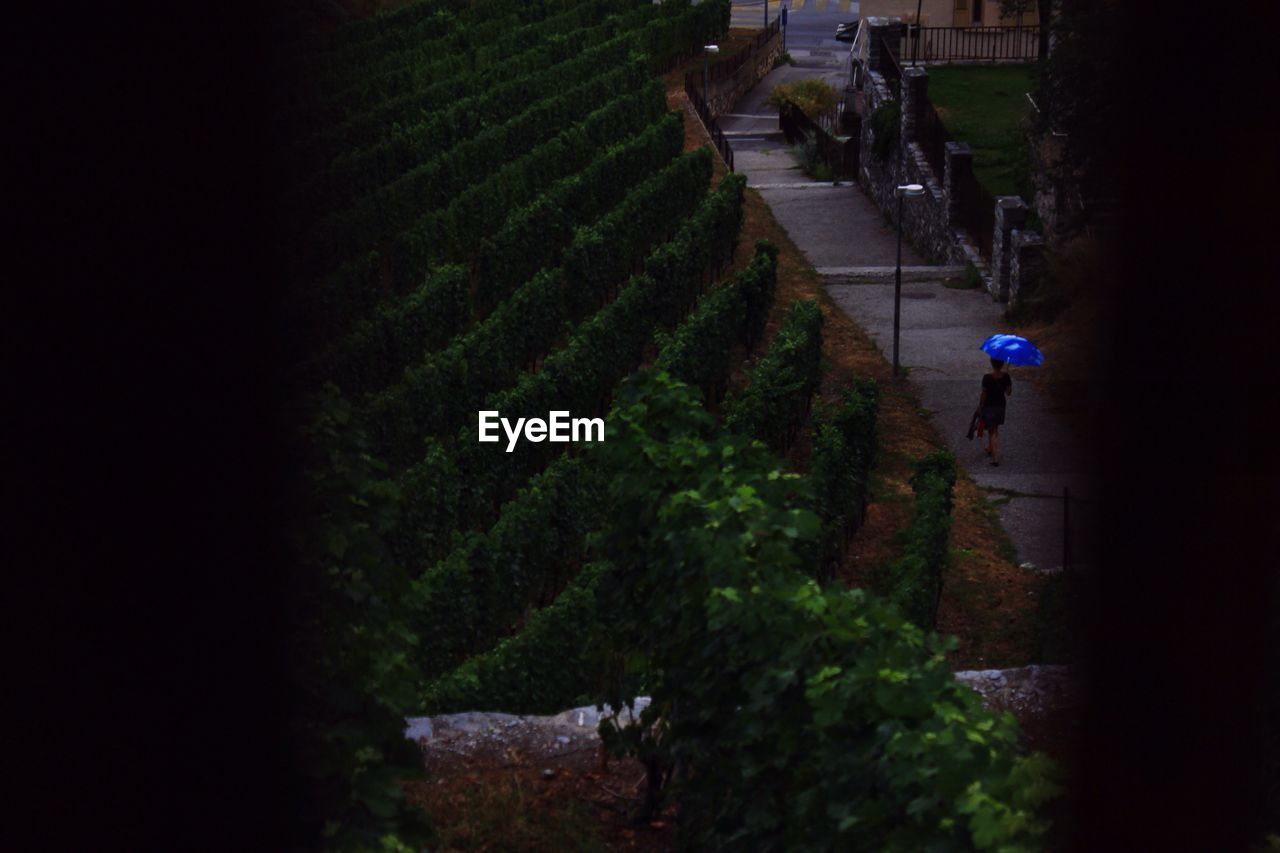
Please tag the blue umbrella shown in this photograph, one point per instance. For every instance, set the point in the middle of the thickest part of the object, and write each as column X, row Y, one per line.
column 1013, row 349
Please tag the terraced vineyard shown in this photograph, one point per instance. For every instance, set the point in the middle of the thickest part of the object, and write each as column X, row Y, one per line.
column 489, row 208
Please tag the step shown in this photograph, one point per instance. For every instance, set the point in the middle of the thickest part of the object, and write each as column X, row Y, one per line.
column 885, row 275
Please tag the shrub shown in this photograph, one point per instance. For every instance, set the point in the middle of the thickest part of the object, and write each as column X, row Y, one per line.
column 914, row 580
column 808, row 154
column 844, row 445
column 791, row 717
column 814, row 96
column 776, row 402
column 972, row 276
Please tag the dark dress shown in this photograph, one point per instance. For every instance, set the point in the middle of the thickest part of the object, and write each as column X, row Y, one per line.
column 996, row 390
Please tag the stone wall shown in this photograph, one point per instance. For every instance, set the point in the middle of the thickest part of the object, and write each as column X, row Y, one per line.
column 726, row 92
column 1026, row 263
column 926, row 221
column 931, row 222
column 1011, row 216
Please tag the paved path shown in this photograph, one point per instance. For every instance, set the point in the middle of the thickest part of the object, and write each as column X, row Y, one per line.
column 846, row 237
column 811, row 24
column 941, row 330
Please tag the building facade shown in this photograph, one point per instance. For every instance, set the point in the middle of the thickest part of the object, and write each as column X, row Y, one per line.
column 951, row 13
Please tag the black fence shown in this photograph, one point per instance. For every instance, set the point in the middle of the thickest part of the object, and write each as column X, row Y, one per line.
column 709, row 121
column 992, row 44
column 890, row 67
column 730, row 66
column 698, row 81
column 933, row 137
column 976, row 210
column 840, row 155
column 976, row 206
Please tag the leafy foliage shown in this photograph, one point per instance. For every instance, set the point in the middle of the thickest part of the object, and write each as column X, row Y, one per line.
column 814, row 96
column 362, row 170
column 377, row 350
column 476, row 595
column 785, row 715
column 399, row 188
column 580, row 377
column 454, row 233
column 840, row 462
column 914, row 580
column 433, row 186
column 776, row 402
column 572, row 213
column 465, row 603
column 442, row 392
column 1078, row 96
column 700, row 351
column 552, row 664
column 353, row 652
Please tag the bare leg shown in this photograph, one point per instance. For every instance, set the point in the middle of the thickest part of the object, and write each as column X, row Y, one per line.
column 995, row 460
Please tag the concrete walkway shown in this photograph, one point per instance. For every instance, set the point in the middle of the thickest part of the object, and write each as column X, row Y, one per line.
column 847, row 238
column 835, row 225
column 941, row 330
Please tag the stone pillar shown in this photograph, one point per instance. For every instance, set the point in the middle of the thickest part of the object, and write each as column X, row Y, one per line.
column 887, row 31
column 1011, row 213
column 915, row 94
column 958, row 166
column 1026, row 262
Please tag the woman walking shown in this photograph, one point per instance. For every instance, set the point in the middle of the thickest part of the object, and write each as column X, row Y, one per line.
column 996, row 386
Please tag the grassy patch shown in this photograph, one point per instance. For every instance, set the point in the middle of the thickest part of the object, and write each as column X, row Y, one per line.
column 985, row 106
column 971, row 280
column 1004, row 545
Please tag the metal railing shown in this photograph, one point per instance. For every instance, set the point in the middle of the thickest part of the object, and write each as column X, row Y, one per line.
column 712, row 78
column 840, row 155
column 732, row 65
column 993, row 44
column 890, row 68
column 709, row 121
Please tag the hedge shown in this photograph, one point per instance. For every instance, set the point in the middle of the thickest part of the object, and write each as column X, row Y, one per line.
column 776, row 401
column 914, row 580
column 438, row 394
column 437, row 496
column 700, row 351
column 841, row 456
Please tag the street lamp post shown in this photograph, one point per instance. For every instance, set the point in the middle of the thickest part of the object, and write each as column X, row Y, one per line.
column 904, row 191
column 915, row 43
column 706, row 65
